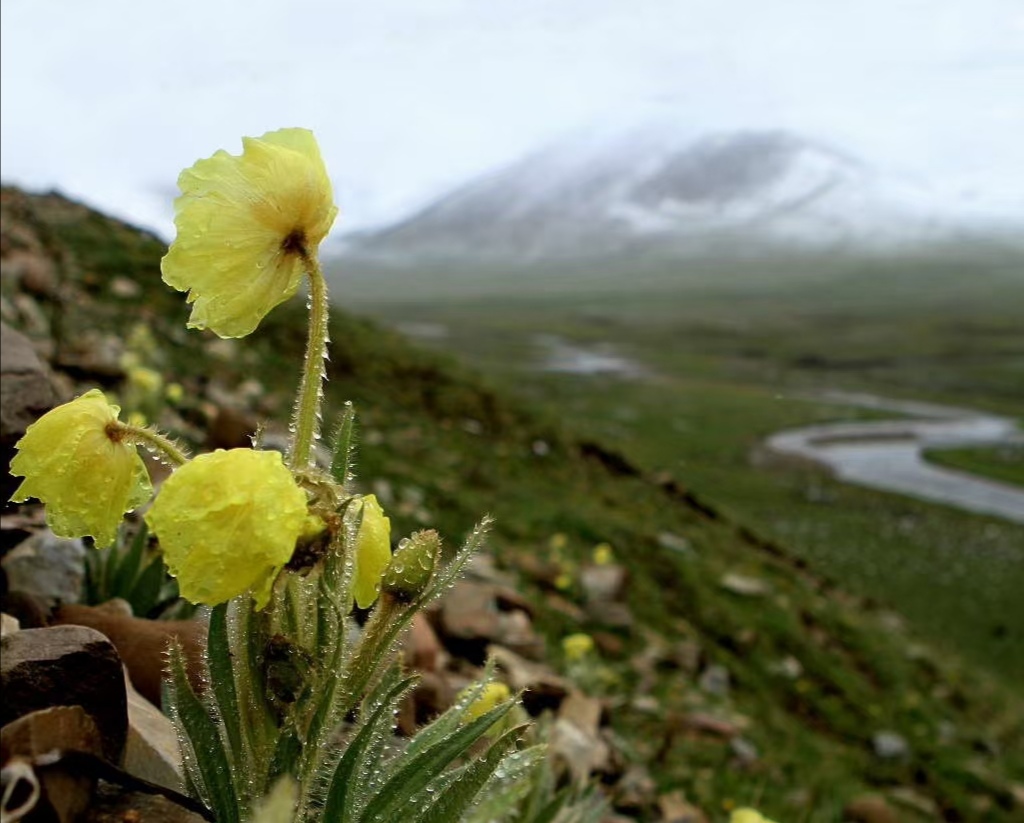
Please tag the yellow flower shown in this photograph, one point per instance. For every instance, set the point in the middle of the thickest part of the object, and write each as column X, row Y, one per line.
column 603, row 554
column 227, row 523
column 492, row 695
column 577, row 646
column 75, row 459
column 373, row 552
column 748, row 815
column 244, row 225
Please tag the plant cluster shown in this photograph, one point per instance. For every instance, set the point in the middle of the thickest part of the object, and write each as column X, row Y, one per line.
column 295, row 719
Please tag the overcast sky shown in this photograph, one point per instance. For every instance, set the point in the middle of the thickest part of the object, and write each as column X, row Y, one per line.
column 107, row 100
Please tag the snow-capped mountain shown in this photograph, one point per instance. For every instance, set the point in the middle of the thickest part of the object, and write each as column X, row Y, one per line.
column 656, row 190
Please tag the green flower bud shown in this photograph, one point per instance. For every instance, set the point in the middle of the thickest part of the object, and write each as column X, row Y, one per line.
column 412, row 566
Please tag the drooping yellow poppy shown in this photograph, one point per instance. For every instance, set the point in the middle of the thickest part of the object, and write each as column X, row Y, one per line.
column 227, row 523
column 373, row 552
column 76, row 461
column 244, row 224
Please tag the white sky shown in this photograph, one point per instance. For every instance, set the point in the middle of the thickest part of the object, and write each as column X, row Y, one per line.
column 107, row 100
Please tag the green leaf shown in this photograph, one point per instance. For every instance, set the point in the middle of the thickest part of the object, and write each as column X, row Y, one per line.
column 222, row 681
column 449, row 573
column 417, row 772
column 344, row 445
column 204, row 755
column 339, row 806
column 146, row 594
column 129, row 563
column 452, row 803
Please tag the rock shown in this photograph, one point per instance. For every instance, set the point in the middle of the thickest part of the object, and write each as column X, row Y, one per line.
column 744, row 751
column 142, row 643
column 715, row 680
column 423, row 651
column 675, row 809
column 49, row 568
column 151, row 750
column 869, row 808
column 34, row 273
column 470, row 612
column 744, row 585
column 36, row 737
column 475, row 614
column 93, row 355
column 579, row 752
column 675, row 543
column 541, row 687
column 8, row 624
column 125, row 288
column 635, row 790
column 25, row 395
column 112, row 804
column 65, row 666
column 710, row 724
column 431, row 696
column 889, row 745
column 911, row 799
column 582, row 711
column 603, row 583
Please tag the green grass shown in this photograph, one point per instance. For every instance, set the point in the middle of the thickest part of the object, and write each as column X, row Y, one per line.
column 1003, row 463
column 453, row 446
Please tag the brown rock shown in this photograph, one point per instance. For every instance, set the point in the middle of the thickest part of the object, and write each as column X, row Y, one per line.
column 35, row 737
column 230, row 429
column 869, row 808
column 675, row 809
column 603, row 584
column 142, row 643
column 65, row 666
column 423, row 651
column 471, row 616
column 113, row 804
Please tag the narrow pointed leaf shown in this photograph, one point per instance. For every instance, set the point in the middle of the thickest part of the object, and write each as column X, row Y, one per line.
column 339, row 804
column 417, row 772
column 344, row 445
column 131, row 562
column 453, row 802
column 205, row 757
column 222, row 680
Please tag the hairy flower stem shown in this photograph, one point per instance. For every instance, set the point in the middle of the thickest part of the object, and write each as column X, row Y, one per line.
column 306, row 419
column 158, row 444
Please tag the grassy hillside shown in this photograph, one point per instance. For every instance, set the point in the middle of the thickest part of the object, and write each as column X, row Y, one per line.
column 815, row 672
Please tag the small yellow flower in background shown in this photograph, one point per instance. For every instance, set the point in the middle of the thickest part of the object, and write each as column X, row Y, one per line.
column 563, row 582
column 174, row 392
column 492, row 695
column 145, row 380
column 138, row 420
column 373, row 552
column 74, row 459
column 603, row 554
column 577, row 646
column 558, row 542
column 244, row 224
column 227, row 523
column 748, row 815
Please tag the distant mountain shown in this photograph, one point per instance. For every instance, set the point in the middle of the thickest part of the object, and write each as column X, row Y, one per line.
column 653, row 190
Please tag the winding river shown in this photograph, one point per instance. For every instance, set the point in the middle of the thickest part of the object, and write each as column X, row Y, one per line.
column 888, row 454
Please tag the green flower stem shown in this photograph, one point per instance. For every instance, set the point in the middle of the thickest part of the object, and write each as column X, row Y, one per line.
column 306, row 420
column 159, row 444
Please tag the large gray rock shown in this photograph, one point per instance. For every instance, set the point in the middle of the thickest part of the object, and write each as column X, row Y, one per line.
column 65, row 666
column 47, row 567
column 25, row 395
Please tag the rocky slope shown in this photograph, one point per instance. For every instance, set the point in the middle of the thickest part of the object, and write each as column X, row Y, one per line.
column 722, row 673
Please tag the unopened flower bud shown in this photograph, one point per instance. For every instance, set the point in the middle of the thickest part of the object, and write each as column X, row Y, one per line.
column 412, row 566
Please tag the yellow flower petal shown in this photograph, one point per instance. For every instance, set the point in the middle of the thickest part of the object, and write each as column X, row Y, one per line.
column 373, row 552
column 241, row 224
column 227, row 523
column 493, row 694
column 577, row 646
column 87, row 476
column 748, row 815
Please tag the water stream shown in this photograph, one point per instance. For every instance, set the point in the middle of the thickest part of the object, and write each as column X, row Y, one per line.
column 888, row 454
